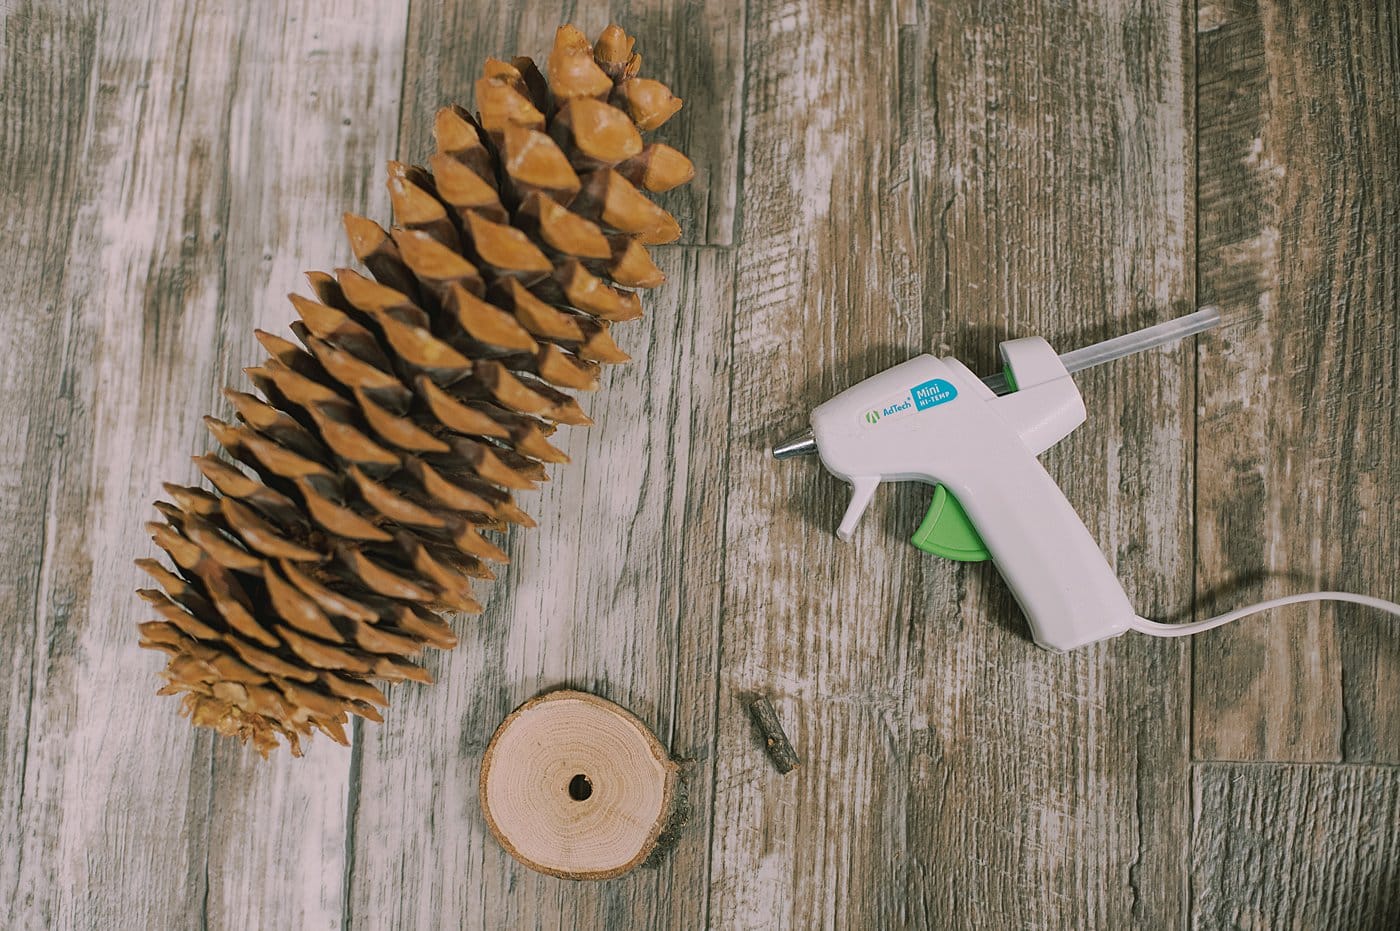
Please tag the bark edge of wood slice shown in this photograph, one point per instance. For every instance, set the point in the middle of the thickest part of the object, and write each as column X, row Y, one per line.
column 575, row 786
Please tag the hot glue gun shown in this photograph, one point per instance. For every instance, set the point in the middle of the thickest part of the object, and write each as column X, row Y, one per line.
column 976, row 441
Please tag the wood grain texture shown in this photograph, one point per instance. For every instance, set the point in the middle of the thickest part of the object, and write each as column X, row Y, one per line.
column 330, row 105
column 1299, row 460
column 915, row 176
column 617, row 593
column 1296, row 846
column 694, row 48
column 971, row 174
column 200, row 158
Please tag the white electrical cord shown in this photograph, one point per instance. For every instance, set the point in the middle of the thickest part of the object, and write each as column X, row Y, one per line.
column 1157, row 629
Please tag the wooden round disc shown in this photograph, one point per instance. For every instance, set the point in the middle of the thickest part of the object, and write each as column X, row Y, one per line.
column 575, row 786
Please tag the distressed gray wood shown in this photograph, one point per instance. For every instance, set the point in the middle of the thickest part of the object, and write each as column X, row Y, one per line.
column 1296, row 846
column 183, row 164
column 694, row 48
column 624, row 569
column 1299, row 459
column 50, row 59
column 327, row 114
column 939, row 183
column 616, row 592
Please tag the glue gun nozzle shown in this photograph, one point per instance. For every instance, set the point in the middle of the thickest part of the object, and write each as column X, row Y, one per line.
column 804, row 444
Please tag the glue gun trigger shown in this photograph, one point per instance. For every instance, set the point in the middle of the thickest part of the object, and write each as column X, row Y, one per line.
column 862, row 490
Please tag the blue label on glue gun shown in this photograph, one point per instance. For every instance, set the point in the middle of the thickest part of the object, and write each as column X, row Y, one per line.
column 919, row 398
column 933, row 393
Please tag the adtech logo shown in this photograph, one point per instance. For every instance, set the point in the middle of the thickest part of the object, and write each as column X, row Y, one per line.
column 919, row 398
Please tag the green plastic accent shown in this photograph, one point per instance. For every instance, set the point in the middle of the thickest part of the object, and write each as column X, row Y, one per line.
column 947, row 531
column 1010, row 379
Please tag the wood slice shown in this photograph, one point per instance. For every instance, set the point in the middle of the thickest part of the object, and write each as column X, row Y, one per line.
column 575, row 786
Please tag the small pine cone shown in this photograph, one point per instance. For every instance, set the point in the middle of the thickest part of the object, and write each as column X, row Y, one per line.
column 380, row 456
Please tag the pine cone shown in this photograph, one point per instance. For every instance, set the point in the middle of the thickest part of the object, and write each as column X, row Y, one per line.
column 384, row 451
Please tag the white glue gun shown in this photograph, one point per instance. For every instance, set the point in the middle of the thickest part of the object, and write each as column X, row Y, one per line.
column 976, row 440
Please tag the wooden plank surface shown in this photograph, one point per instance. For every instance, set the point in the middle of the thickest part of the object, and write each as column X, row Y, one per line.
column 1296, row 846
column 1299, row 460
column 971, row 174
column 200, row 159
column 913, row 177
column 1067, row 773
column 330, row 106
column 616, row 592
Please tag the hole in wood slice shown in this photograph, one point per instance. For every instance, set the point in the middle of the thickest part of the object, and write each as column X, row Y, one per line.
column 580, row 788
column 575, row 786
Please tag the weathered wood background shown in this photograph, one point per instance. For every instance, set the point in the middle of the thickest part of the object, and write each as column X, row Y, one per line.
column 874, row 180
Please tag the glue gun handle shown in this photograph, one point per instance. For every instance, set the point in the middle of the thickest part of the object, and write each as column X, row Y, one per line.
column 1055, row 569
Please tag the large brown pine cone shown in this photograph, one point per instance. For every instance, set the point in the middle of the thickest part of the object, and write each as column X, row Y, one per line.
column 369, row 477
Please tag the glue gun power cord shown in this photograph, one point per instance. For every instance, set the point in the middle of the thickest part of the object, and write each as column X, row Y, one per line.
column 1157, row 629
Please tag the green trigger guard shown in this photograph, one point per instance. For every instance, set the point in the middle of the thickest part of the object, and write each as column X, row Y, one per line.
column 947, row 531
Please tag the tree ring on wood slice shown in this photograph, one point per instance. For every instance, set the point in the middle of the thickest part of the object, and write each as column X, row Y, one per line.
column 575, row 786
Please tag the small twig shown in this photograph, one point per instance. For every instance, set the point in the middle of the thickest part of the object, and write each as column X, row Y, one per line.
column 774, row 739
